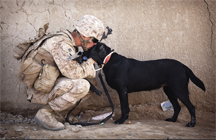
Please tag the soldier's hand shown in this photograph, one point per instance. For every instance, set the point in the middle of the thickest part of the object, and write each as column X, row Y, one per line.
column 92, row 60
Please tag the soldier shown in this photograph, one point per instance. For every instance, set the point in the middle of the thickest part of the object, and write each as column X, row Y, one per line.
column 88, row 30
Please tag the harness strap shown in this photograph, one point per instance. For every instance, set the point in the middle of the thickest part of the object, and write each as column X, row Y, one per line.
column 37, row 44
column 104, row 120
column 106, row 59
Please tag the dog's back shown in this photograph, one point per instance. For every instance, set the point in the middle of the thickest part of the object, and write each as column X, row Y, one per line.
column 142, row 75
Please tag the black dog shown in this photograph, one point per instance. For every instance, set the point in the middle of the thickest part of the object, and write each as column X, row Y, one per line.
column 129, row 75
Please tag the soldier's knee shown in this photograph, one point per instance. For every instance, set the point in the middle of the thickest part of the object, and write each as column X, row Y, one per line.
column 85, row 84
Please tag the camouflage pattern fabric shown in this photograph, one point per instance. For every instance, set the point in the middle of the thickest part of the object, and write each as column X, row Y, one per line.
column 71, row 88
column 90, row 26
column 77, row 90
column 60, row 48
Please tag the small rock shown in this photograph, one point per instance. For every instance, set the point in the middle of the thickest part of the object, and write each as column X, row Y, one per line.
column 66, row 123
column 79, row 126
column 29, row 121
column 107, row 132
column 169, row 138
column 25, row 120
column 19, row 118
column 75, row 129
column 19, row 130
column 32, row 121
column 19, row 122
column 128, row 122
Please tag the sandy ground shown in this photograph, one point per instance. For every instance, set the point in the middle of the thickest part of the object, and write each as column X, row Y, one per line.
column 138, row 129
column 147, row 124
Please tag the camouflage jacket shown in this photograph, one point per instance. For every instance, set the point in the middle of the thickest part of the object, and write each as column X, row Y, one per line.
column 61, row 47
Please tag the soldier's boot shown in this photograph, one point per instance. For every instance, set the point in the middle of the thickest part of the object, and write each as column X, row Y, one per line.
column 45, row 118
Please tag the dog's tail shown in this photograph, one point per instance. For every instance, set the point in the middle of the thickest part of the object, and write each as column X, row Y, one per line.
column 194, row 79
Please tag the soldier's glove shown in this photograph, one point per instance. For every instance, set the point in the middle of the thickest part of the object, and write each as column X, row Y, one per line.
column 94, row 54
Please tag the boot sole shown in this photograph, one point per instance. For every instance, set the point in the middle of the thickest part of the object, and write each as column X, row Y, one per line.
column 42, row 124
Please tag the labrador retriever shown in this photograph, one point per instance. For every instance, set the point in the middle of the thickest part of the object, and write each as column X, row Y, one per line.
column 127, row 75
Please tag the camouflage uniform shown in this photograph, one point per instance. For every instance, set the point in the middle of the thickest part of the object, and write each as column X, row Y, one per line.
column 69, row 89
column 72, row 87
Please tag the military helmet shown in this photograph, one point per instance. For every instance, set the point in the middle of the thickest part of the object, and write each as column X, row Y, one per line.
column 90, row 26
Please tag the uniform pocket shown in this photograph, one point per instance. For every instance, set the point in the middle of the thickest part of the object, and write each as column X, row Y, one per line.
column 30, row 72
column 47, row 78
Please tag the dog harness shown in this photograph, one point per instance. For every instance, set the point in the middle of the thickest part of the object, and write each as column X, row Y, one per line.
column 105, row 61
column 107, row 58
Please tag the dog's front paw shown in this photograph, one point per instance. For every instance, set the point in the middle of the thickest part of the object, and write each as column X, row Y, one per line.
column 170, row 120
column 121, row 120
column 191, row 124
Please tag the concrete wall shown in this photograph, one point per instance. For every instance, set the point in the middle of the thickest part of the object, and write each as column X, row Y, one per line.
column 142, row 29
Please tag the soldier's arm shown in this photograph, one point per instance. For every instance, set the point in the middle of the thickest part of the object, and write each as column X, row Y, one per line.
column 69, row 68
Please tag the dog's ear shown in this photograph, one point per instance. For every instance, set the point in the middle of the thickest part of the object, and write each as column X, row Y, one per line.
column 102, row 51
column 101, row 48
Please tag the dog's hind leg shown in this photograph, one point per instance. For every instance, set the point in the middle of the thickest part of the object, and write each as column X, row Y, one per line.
column 182, row 94
column 173, row 99
column 123, row 96
column 184, row 98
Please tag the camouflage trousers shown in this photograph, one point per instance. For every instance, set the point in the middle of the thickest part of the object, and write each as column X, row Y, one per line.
column 65, row 93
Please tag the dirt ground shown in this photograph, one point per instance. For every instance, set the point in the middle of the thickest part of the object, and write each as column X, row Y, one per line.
column 145, row 122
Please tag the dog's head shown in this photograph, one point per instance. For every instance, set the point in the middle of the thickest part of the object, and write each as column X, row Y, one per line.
column 102, row 49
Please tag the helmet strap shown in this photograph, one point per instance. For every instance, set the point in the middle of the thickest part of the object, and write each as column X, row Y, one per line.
column 85, row 42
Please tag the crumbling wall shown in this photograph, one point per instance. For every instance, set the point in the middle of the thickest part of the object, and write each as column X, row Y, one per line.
column 142, row 29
